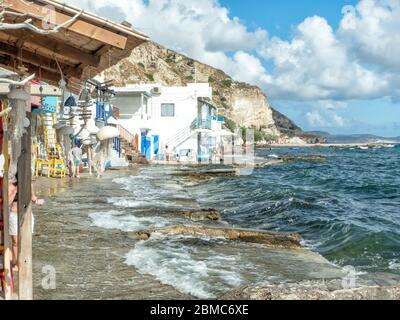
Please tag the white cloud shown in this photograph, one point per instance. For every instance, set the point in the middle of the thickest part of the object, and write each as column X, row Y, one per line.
column 323, row 115
column 201, row 29
column 316, row 65
column 372, row 31
column 338, row 120
column 249, row 67
column 315, row 119
column 357, row 61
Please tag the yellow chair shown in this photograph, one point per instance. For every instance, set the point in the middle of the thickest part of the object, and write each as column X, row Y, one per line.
column 43, row 164
column 58, row 169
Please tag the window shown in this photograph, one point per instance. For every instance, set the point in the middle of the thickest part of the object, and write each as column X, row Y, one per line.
column 167, row 110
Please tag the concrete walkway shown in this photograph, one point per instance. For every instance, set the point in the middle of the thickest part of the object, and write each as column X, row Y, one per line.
column 89, row 262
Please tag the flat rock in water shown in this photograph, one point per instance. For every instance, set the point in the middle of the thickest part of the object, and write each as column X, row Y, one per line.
column 207, row 173
column 303, row 158
column 279, row 239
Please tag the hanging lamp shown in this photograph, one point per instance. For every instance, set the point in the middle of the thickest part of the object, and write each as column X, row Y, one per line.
column 70, row 102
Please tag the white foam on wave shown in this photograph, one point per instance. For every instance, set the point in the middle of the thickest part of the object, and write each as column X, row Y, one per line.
column 127, row 223
column 132, row 183
column 149, row 188
column 128, row 203
column 144, row 203
column 177, row 266
column 394, row 264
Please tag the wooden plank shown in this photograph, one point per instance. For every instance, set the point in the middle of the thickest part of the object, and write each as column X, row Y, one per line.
column 6, row 215
column 25, row 284
column 81, row 27
column 50, row 48
column 36, row 60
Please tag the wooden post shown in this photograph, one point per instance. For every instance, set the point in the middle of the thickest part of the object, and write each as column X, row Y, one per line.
column 6, row 216
column 25, row 283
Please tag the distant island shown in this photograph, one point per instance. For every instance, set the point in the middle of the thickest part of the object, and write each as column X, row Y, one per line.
column 354, row 138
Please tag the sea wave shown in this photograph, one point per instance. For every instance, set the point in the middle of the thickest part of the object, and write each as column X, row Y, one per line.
column 346, row 209
column 126, row 222
column 181, row 267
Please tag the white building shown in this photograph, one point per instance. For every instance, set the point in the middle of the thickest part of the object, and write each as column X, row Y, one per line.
column 170, row 120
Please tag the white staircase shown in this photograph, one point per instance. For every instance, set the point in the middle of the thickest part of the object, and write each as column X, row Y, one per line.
column 183, row 135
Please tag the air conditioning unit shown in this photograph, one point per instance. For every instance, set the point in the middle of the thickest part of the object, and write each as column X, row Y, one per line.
column 156, row 90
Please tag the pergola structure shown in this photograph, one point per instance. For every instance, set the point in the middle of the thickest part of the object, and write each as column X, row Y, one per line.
column 60, row 45
column 81, row 50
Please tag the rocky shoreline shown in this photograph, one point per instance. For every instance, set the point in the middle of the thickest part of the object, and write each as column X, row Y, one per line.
column 323, row 145
column 85, row 256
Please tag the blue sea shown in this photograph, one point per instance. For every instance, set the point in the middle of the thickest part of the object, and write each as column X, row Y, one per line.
column 346, row 208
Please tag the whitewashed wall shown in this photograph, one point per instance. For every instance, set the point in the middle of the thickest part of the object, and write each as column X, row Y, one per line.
column 134, row 116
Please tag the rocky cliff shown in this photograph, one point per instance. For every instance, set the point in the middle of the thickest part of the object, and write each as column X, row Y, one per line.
column 242, row 104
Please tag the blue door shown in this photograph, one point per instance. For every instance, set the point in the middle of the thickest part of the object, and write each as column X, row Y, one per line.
column 143, row 143
column 156, row 141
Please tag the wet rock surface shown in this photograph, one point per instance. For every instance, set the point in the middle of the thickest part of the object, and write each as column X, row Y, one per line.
column 195, row 177
column 89, row 262
column 368, row 287
column 278, row 239
column 303, row 158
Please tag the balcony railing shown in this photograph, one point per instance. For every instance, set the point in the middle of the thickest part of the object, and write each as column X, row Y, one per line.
column 206, row 123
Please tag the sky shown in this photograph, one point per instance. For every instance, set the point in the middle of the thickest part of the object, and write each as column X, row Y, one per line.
column 330, row 65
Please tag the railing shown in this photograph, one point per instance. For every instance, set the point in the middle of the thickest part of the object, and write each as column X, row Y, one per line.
column 182, row 135
column 117, row 145
column 100, row 111
column 124, row 134
column 103, row 115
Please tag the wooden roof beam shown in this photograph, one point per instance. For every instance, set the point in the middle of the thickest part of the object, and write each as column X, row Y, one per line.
column 51, row 47
column 80, row 27
column 104, row 49
column 46, row 75
column 41, row 62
